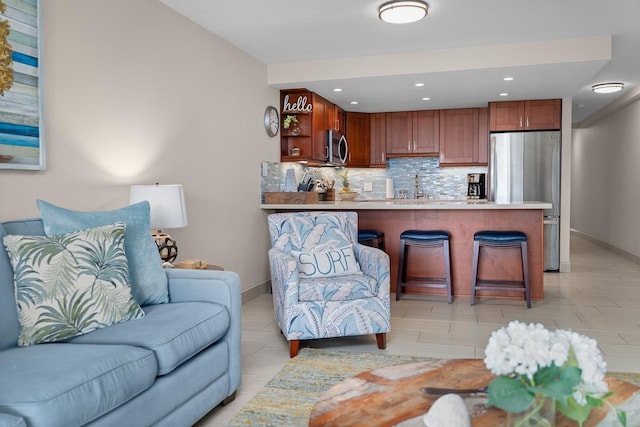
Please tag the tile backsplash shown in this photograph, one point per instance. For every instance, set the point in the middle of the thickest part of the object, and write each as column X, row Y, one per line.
column 435, row 182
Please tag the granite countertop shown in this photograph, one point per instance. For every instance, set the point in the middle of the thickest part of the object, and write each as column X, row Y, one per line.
column 396, row 204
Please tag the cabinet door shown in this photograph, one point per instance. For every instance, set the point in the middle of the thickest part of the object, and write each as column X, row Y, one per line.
column 399, row 132
column 358, row 138
column 508, row 115
column 544, row 114
column 340, row 119
column 322, row 114
column 459, row 136
column 426, row 132
column 378, row 156
column 483, row 136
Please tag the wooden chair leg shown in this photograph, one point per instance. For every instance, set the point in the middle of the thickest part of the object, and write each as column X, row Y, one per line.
column 474, row 271
column 294, row 346
column 229, row 399
column 382, row 341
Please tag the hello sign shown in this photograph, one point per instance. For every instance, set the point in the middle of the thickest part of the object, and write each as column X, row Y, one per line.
column 299, row 105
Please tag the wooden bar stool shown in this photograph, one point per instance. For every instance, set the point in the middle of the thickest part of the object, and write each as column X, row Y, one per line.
column 500, row 239
column 373, row 238
column 424, row 238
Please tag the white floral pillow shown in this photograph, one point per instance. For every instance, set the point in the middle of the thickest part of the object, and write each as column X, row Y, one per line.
column 70, row 284
column 329, row 263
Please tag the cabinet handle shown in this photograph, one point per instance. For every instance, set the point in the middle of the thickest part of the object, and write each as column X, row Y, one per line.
column 408, row 145
column 527, row 122
column 520, row 125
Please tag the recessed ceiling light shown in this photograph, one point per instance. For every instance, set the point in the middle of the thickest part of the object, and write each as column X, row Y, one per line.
column 504, row 94
column 419, row 84
column 607, row 87
column 426, row 99
column 337, row 89
column 508, row 79
column 402, row 12
column 354, row 102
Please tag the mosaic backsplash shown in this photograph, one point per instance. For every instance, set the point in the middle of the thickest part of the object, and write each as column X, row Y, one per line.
column 434, row 182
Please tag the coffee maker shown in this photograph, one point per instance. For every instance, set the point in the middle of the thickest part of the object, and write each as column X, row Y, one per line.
column 476, row 186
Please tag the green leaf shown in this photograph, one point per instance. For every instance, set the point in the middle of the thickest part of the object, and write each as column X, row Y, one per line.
column 546, row 375
column 509, row 394
column 622, row 417
column 573, row 410
column 559, row 383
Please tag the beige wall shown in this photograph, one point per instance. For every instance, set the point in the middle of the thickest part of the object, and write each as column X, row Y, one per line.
column 135, row 93
column 605, row 200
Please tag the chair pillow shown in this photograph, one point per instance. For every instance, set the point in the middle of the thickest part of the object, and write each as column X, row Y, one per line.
column 70, row 284
column 330, row 263
column 146, row 275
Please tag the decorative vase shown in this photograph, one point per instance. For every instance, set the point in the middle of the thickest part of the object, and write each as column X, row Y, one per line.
column 541, row 414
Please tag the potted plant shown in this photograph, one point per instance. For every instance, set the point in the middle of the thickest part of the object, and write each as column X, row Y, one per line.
column 291, row 122
column 346, row 193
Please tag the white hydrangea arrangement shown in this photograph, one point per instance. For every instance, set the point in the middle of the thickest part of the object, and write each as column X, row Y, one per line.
column 530, row 360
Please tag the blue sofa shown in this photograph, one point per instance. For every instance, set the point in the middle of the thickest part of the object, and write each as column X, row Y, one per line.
column 169, row 368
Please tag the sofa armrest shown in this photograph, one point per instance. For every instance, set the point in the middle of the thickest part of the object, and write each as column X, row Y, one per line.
column 222, row 287
column 374, row 263
column 10, row 420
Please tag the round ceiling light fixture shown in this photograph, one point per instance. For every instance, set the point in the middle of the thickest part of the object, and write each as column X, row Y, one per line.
column 402, row 12
column 607, row 87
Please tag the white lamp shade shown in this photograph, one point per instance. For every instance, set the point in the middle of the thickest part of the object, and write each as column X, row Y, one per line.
column 168, row 209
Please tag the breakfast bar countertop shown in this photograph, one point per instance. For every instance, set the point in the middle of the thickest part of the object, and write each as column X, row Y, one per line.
column 408, row 204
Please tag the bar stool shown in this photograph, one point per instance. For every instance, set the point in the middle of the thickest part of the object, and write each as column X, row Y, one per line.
column 424, row 238
column 500, row 239
column 373, row 238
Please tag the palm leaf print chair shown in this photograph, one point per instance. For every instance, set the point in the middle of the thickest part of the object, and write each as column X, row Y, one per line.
column 325, row 284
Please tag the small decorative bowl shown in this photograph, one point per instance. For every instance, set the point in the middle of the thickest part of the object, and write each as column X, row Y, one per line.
column 348, row 196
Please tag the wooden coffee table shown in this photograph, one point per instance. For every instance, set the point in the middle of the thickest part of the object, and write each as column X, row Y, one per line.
column 390, row 395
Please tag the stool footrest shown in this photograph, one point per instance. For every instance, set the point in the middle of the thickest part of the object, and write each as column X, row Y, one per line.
column 499, row 285
column 427, row 282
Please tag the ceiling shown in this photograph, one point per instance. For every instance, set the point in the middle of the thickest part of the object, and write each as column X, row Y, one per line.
column 461, row 51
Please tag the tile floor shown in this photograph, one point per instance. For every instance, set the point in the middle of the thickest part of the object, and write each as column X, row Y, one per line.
column 599, row 298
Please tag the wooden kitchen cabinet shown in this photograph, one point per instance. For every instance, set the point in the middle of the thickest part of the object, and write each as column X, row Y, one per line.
column 412, row 133
column 464, row 137
column 542, row 114
column 378, row 155
column 358, row 131
column 315, row 116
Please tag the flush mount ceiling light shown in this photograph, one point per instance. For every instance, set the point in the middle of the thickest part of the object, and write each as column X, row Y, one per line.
column 607, row 87
column 402, row 12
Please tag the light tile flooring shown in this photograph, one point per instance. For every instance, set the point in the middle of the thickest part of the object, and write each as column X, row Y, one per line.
column 599, row 298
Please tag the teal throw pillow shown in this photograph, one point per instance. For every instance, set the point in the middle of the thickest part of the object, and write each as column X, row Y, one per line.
column 70, row 284
column 329, row 263
column 147, row 277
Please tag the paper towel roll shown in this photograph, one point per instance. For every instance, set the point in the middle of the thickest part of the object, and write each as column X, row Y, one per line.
column 390, row 191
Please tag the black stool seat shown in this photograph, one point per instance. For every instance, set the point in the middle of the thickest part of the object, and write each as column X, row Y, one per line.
column 424, row 239
column 500, row 236
column 425, row 235
column 499, row 240
column 369, row 234
column 371, row 237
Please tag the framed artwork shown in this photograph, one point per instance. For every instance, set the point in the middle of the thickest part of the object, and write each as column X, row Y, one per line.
column 21, row 124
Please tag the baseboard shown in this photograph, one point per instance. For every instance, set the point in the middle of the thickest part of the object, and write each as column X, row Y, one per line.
column 256, row 291
column 625, row 254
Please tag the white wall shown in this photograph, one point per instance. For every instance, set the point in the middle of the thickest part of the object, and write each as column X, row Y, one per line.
column 605, row 199
column 135, row 93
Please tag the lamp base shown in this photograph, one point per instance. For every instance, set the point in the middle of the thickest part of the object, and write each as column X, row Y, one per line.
column 166, row 246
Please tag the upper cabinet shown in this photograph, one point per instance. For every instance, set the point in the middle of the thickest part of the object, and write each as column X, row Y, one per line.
column 358, row 131
column 377, row 153
column 543, row 114
column 313, row 116
column 413, row 133
column 463, row 137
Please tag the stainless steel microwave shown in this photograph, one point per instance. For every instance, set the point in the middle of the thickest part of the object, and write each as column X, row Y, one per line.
column 337, row 148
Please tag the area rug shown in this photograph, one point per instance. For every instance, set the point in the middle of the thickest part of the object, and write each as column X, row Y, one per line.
column 289, row 397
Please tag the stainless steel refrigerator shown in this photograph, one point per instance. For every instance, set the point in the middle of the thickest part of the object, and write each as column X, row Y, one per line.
column 525, row 167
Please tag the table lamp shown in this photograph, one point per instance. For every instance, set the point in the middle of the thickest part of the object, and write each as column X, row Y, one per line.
column 168, row 210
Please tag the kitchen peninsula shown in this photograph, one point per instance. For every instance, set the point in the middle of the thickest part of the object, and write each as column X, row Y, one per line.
column 462, row 219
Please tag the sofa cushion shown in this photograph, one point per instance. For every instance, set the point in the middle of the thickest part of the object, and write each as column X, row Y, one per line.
column 69, row 384
column 345, row 288
column 70, row 284
column 148, row 279
column 8, row 420
column 174, row 332
column 9, row 325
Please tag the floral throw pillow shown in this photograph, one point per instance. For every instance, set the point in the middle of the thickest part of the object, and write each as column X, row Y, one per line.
column 70, row 284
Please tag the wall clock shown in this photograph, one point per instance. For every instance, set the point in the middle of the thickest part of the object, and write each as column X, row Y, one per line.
column 271, row 121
